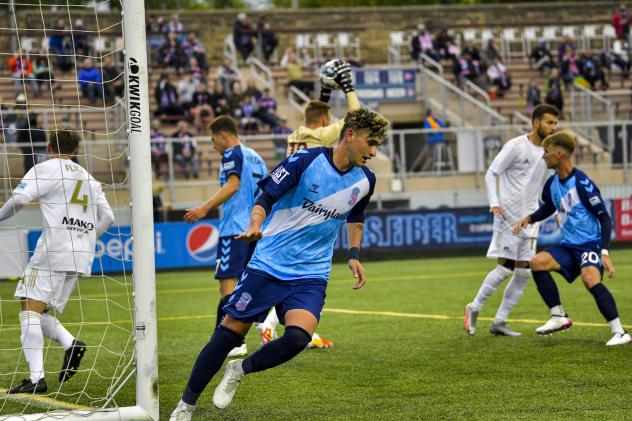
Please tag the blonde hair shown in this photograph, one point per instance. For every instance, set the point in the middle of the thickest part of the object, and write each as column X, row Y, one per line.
column 365, row 119
column 564, row 139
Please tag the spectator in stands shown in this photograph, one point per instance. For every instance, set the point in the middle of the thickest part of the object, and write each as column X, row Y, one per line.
column 201, row 109
column 621, row 56
column 243, row 34
column 266, row 38
column 491, row 52
column 236, row 96
column 434, row 139
column 472, row 50
column 21, row 70
column 245, row 114
column 34, row 141
column 553, row 90
column 542, row 58
column 445, row 45
column 57, row 45
column 90, row 81
column 154, row 28
column 195, row 70
column 533, row 96
column 217, row 93
column 469, row 69
column 174, row 25
column 166, row 97
column 621, row 21
column 187, row 86
column 44, row 74
column 227, row 75
column 192, row 47
column 565, row 45
column 422, row 42
column 498, row 77
column 266, row 109
column 252, row 90
column 9, row 121
column 81, row 39
column 305, row 60
column 295, row 74
column 171, row 54
column 222, row 107
column 113, row 80
column 185, row 150
column 590, row 69
column 353, row 60
column 159, row 154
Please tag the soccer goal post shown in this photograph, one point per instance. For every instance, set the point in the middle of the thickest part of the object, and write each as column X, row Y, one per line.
column 117, row 313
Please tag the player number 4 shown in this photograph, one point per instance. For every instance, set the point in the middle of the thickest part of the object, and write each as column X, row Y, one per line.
column 83, row 201
column 590, row 256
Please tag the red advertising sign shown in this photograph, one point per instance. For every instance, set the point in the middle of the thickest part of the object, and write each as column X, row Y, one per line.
column 623, row 212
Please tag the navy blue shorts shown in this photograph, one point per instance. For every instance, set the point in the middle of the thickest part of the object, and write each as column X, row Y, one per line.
column 257, row 292
column 232, row 257
column 573, row 258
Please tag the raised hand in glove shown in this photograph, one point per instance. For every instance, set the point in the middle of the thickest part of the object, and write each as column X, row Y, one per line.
column 343, row 77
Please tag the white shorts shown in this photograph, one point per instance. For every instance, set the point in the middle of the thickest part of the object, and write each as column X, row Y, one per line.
column 507, row 245
column 50, row 287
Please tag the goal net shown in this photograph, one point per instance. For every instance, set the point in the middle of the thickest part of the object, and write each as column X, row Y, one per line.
column 81, row 65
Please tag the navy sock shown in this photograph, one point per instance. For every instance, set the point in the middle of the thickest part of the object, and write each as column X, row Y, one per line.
column 605, row 301
column 209, row 362
column 281, row 350
column 547, row 288
column 220, row 312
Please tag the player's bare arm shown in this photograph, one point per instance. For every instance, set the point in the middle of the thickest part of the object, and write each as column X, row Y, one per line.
column 521, row 224
column 497, row 210
column 221, row 196
column 607, row 265
column 354, row 236
column 253, row 233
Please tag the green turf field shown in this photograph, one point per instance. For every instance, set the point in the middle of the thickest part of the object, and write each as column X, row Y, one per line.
column 400, row 350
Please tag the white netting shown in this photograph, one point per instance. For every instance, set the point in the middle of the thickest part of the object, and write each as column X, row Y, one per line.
column 44, row 50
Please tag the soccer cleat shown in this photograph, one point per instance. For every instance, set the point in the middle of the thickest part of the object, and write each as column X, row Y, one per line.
column 183, row 412
column 318, row 342
column 619, row 339
column 225, row 390
column 72, row 359
column 28, row 386
column 554, row 324
column 266, row 334
column 469, row 321
column 238, row 351
column 501, row 329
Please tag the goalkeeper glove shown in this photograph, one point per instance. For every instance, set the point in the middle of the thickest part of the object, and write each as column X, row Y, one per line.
column 343, row 78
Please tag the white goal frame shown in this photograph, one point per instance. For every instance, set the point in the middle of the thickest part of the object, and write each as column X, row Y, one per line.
column 143, row 272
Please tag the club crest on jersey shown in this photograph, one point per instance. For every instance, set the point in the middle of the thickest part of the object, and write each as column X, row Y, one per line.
column 243, row 301
column 354, row 196
column 21, row 186
column 279, row 174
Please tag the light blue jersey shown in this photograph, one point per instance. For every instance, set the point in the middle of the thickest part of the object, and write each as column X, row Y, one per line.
column 578, row 202
column 250, row 168
column 313, row 200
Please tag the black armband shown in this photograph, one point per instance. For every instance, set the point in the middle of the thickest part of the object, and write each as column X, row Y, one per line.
column 354, row 253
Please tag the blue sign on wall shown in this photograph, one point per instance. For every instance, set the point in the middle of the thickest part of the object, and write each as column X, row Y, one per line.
column 391, row 84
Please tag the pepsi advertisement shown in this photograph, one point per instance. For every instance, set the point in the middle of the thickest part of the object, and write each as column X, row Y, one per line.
column 182, row 245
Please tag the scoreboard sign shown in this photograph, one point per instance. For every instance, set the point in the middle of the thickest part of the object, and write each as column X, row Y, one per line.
column 386, row 84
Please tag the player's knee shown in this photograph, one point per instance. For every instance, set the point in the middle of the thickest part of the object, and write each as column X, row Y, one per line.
column 523, row 272
column 503, row 271
column 297, row 338
column 538, row 263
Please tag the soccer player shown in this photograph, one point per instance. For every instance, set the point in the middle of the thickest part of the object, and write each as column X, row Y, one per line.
column 241, row 169
column 304, row 202
column 584, row 248
column 75, row 213
column 317, row 131
column 514, row 181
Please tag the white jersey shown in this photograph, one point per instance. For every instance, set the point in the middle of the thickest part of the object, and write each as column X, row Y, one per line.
column 521, row 173
column 68, row 196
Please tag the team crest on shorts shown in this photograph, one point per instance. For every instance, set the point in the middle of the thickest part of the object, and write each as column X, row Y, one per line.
column 354, row 196
column 243, row 301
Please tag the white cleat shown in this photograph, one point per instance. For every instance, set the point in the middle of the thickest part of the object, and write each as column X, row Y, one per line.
column 501, row 329
column 183, row 412
column 225, row 390
column 554, row 324
column 619, row 339
column 266, row 333
column 238, row 351
column 469, row 321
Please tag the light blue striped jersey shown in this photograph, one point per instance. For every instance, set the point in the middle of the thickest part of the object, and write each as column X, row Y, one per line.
column 313, row 200
column 578, row 201
column 250, row 168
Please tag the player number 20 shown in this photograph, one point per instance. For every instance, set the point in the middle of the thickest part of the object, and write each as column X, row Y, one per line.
column 591, row 257
column 83, row 200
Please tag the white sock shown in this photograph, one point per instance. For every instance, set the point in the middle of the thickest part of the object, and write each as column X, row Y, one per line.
column 32, row 343
column 490, row 284
column 615, row 326
column 558, row 311
column 52, row 328
column 271, row 320
column 513, row 293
